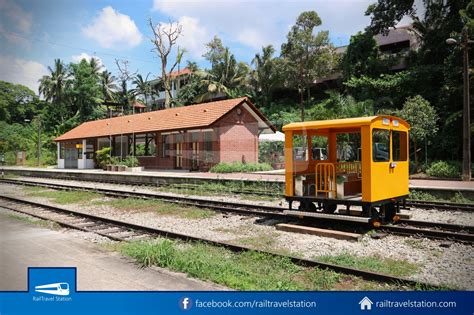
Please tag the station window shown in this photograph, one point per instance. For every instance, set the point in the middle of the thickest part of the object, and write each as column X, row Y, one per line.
column 61, row 150
column 208, row 139
column 145, row 144
column 300, row 147
column 165, row 140
column 380, row 145
column 103, row 143
column 399, row 145
column 90, row 148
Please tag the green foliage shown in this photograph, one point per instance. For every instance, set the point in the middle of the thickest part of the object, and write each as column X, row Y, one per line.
column 362, row 57
column 17, row 103
column 306, row 56
column 103, row 156
column 421, row 116
column 387, row 13
column 450, row 169
column 399, row 268
column 271, row 152
column 85, row 92
column 237, row 167
column 241, row 271
column 131, row 161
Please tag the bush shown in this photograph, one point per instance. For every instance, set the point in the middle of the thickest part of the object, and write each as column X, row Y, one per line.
column 237, row 167
column 444, row 169
column 131, row 161
column 103, row 156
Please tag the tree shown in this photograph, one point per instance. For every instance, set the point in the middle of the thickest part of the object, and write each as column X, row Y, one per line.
column 307, row 56
column 226, row 76
column 53, row 88
column 265, row 76
column 422, row 118
column 361, row 56
column 164, row 38
column 85, row 92
column 142, row 87
column 107, row 81
column 17, row 103
column 125, row 75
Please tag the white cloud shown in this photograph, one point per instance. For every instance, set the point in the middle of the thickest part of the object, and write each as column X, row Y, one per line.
column 21, row 71
column 259, row 23
column 87, row 57
column 14, row 19
column 113, row 29
column 194, row 36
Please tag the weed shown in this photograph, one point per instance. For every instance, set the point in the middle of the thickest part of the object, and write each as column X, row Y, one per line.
column 62, row 197
column 399, row 268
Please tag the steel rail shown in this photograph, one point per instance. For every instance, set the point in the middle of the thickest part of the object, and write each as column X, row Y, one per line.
column 367, row 275
column 437, row 205
column 455, row 232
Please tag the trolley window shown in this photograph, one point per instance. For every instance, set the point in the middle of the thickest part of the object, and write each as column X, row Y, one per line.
column 399, row 146
column 380, row 145
column 300, row 147
column 319, row 146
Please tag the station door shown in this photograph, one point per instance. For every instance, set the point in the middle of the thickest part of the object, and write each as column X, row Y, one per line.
column 70, row 158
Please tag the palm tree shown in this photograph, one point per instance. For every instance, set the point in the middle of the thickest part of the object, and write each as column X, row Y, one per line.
column 226, row 76
column 264, row 76
column 52, row 86
column 109, row 87
column 95, row 65
column 142, row 87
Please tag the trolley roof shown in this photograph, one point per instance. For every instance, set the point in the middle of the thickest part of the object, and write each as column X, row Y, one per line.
column 344, row 123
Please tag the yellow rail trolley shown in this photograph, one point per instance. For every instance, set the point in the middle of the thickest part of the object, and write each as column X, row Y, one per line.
column 348, row 162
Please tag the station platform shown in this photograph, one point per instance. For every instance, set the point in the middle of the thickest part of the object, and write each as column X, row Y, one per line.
column 163, row 177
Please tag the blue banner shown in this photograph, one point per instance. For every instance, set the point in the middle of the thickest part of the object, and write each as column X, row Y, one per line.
column 53, row 291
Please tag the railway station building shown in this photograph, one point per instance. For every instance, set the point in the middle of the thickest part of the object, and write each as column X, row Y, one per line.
column 194, row 137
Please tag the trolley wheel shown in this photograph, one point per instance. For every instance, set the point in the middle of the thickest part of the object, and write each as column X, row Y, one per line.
column 329, row 208
column 390, row 212
column 307, row 206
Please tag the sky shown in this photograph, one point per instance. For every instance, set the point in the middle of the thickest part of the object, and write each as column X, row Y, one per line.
column 35, row 32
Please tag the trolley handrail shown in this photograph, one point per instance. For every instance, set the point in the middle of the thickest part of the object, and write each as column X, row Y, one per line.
column 325, row 179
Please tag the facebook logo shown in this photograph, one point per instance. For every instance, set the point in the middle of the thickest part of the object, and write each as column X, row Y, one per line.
column 185, row 303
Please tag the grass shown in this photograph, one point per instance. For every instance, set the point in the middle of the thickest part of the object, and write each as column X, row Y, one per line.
column 158, row 206
column 399, row 268
column 35, row 221
column 61, row 197
column 240, row 271
column 422, row 195
column 227, row 188
column 239, row 167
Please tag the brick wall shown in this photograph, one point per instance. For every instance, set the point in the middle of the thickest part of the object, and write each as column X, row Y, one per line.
column 235, row 138
column 238, row 137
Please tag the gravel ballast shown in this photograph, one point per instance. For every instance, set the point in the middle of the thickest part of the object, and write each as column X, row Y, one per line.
column 448, row 265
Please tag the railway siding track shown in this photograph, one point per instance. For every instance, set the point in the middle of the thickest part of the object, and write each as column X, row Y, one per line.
column 432, row 230
column 100, row 225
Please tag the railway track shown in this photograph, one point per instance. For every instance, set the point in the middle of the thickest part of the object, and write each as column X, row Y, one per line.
column 421, row 204
column 431, row 230
column 124, row 231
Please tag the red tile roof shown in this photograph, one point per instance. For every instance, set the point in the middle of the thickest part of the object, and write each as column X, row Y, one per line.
column 137, row 104
column 180, row 72
column 179, row 118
